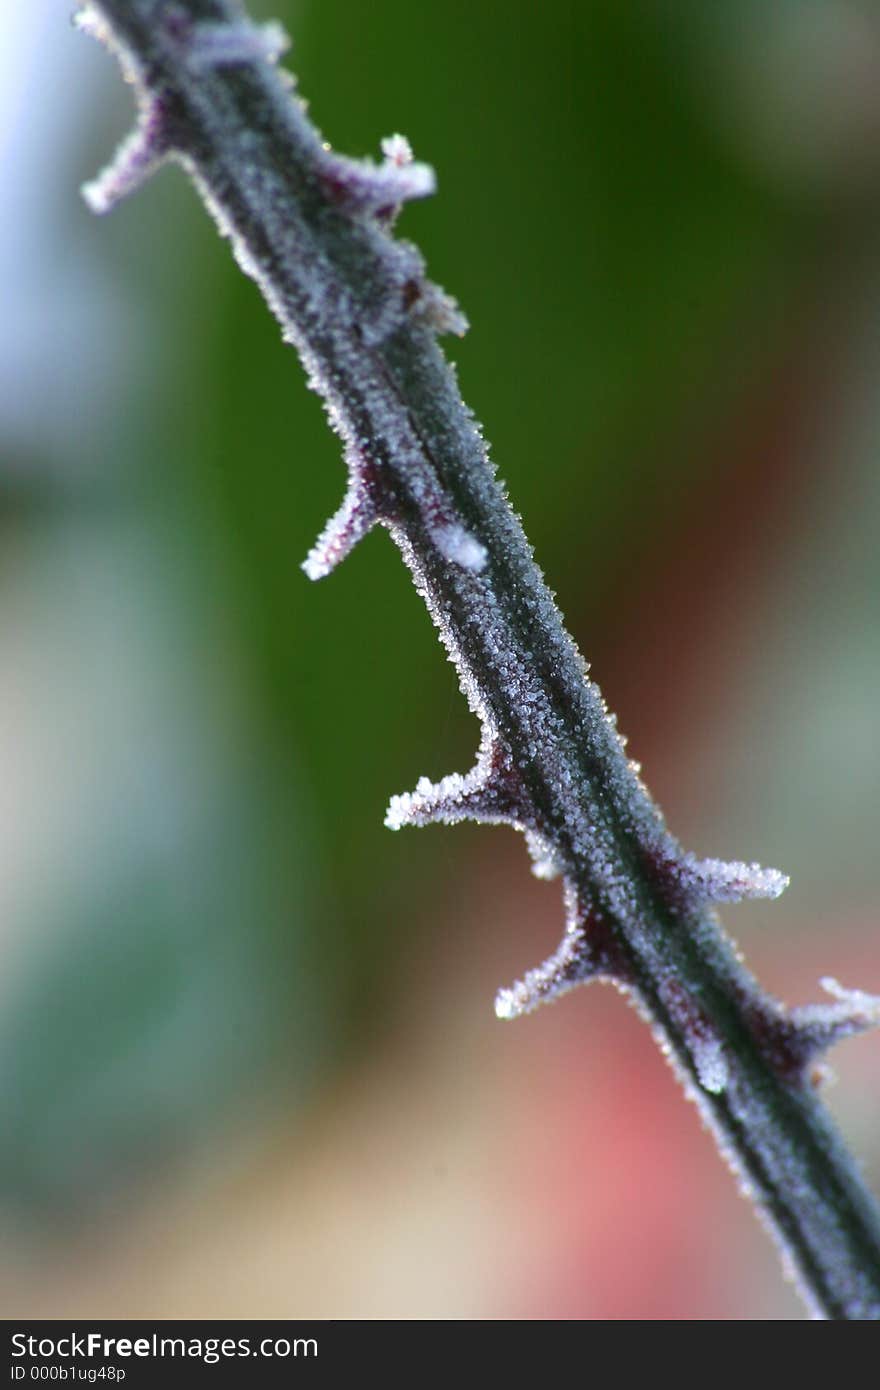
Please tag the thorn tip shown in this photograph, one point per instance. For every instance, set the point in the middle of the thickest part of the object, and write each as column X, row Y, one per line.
column 354, row 519
column 723, row 881
column 490, row 793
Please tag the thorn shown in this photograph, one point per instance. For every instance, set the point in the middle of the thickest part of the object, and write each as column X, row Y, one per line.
column 138, row 157
column 355, row 518
column 378, row 189
column 569, row 965
column 148, row 145
column 439, row 310
column 794, row 1040
column 719, row 881
column 819, row 1026
column 588, row 951
column 490, row 793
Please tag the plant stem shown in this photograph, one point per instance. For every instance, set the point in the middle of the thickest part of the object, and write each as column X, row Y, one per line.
column 312, row 230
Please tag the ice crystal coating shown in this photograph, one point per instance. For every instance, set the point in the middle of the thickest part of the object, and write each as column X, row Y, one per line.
column 568, row 966
column 397, row 150
column 711, row 1064
column 819, row 1026
column 147, row 147
column 559, row 973
column 545, row 857
column 721, row 881
column 460, row 547
column 379, row 189
column 136, row 160
column 355, row 518
column 587, row 952
column 491, row 793
column 439, row 311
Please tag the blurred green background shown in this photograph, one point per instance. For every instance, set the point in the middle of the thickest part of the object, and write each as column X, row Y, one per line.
column 248, row 1062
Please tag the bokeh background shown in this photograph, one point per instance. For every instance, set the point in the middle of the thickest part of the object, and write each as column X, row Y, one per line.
column 248, row 1059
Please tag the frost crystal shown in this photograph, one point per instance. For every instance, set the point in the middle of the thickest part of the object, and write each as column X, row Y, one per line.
column 397, row 150
column 567, row 967
column 92, row 23
column 490, row 793
column 720, row 881
column 585, row 953
column 710, row 1062
column 460, row 547
column 545, row 859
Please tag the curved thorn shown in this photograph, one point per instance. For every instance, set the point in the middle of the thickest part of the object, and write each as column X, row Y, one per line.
column 570, row 965
column 723, row 881
column 361, row 185
column 588, row 951
column 136, row 160
column 820, row 1026
column 355, row 518
column 490, row 793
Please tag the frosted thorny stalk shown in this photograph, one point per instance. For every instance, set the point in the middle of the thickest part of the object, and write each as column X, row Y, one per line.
column 313, row 229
